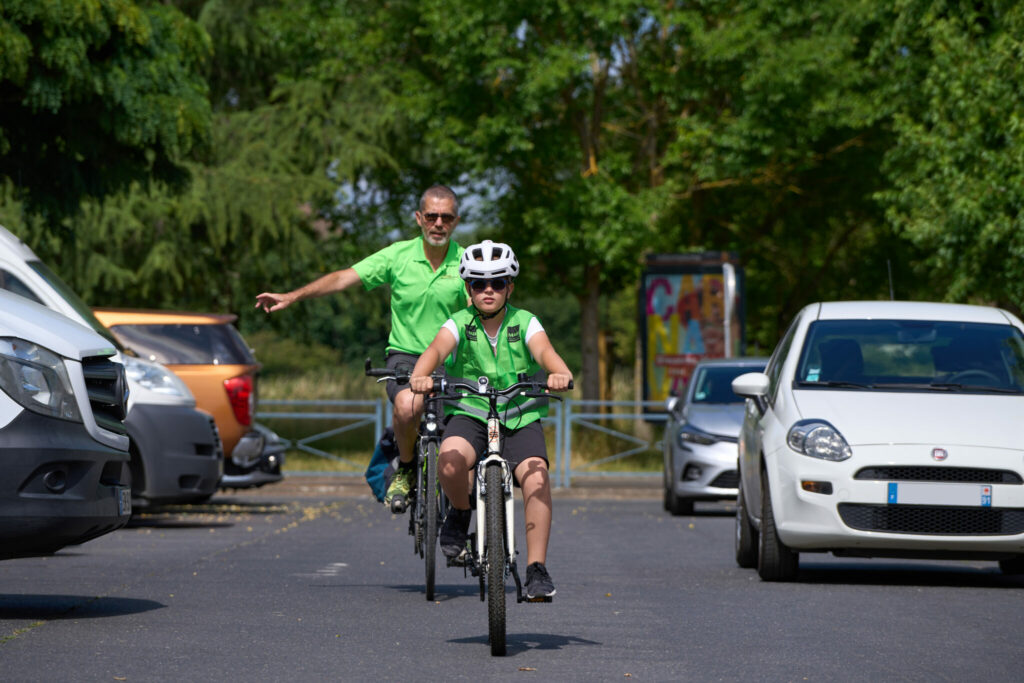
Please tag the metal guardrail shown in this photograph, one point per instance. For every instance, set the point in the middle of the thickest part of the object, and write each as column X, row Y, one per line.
column 564, row 417
column 585, row 414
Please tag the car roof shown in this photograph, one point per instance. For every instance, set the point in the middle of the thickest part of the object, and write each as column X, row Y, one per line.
column 741, row 361
column 909, row 310
column 139, row 316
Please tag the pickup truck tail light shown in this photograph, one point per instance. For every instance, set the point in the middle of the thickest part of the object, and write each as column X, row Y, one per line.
column 242, row 397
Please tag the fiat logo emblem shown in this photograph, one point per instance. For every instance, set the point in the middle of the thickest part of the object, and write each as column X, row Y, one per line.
column 939, row 454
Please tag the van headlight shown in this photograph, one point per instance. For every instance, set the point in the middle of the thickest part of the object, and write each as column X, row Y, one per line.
column 155, row 377
column 818, row 439
column 37, row 379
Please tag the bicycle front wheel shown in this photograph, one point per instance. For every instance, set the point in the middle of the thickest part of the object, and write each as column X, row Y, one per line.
column 432, row 508
column 495, row 560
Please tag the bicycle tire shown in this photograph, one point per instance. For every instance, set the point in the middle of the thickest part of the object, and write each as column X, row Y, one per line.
column 496, row 556
column 417, row 509
column 431, row 505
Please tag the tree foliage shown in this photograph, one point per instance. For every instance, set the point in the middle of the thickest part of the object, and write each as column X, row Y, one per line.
column 95, row 95
column 957, row 165
column 830, row 144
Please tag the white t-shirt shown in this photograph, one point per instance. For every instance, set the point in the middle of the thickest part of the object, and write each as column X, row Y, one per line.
column 532, row 328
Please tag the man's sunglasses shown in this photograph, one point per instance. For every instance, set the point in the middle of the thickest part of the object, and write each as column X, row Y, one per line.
column 482, row 285
column 446, row 218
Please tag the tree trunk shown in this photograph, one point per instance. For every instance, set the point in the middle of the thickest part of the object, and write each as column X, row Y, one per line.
column 589, row 328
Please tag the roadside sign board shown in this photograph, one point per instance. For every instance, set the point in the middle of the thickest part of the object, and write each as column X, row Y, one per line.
column 691, row 307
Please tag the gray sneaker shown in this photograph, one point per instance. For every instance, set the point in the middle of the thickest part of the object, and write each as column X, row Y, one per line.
column 539, row 587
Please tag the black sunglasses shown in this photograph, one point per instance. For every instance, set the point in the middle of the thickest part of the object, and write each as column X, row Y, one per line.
column 482, row 285
column 445, row 217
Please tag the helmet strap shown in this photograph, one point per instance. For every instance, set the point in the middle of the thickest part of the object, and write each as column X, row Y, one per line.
column 488, row 316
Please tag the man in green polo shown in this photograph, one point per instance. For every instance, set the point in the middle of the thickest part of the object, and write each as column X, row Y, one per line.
column 426, row 290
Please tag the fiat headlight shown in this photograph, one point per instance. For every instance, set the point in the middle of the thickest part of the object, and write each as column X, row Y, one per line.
column 155, row 377
column 818, row 439
column 36, row 378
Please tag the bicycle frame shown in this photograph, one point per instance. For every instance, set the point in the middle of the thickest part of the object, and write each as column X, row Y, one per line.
column 426, row 507
column 494, row 455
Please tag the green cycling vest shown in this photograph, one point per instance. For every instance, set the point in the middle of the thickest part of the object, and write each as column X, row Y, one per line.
column 473, row 358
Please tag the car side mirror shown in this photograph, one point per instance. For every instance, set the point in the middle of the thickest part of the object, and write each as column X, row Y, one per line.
column 753, row 385
column 671, row 403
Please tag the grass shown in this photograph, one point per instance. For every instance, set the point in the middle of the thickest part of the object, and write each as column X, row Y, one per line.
column 356, row 445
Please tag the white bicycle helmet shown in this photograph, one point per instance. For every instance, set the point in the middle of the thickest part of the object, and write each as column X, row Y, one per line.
column 488, row 260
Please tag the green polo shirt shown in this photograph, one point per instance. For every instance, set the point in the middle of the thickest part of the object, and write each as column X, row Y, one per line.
column 422, row 299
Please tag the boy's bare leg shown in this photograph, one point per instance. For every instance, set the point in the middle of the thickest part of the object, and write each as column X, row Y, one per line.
column 533, row 478
column 454, row 467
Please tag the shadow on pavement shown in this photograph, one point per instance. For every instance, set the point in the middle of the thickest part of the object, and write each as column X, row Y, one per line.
column 46, row 607
column 518, row 643
column 873, row 573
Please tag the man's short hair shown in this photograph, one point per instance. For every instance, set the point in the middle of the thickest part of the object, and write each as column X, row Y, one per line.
column 439, row 192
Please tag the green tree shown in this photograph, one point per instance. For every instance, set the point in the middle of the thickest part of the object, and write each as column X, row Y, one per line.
column 96, row 95
column 956, row 168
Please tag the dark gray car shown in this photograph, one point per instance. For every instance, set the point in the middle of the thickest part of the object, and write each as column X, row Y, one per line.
column 700, row 437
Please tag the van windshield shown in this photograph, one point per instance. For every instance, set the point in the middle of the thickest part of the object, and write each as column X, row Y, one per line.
column 75, row 301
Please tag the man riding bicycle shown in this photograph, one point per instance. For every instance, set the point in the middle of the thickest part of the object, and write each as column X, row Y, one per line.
column 425, row 291
column 493, row 339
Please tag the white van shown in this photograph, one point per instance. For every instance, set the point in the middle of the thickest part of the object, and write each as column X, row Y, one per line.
column 65, row 451
column 176, row 454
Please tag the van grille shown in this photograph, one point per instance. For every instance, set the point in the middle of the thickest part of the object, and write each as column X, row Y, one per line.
column 108, row 392
column 218, row 446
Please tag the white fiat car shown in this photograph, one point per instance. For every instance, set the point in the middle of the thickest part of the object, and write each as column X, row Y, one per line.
column 885, row 429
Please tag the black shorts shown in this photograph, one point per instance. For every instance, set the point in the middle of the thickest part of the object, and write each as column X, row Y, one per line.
column 398, row 360
column 401, row 362
column 519, row 444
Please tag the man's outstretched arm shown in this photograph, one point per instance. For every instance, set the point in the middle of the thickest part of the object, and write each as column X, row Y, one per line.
column 331, row 283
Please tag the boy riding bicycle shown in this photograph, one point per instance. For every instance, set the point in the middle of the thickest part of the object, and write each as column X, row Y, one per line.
column 493, row 339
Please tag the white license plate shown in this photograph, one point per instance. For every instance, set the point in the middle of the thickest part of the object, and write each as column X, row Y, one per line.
column 124, row 500
column 927, row 493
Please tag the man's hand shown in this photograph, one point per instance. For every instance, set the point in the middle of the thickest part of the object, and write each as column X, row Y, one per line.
column 271, row 302
column 559, row 381
column 421, row 384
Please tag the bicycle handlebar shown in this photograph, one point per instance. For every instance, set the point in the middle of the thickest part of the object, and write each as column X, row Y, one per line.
column 442, row 385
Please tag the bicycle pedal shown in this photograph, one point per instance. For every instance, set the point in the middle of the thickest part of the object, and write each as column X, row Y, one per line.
column 460, row 560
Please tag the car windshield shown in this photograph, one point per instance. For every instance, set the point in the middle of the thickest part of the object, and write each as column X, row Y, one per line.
column 186, row 344
column 914, row 355
column 713, row 383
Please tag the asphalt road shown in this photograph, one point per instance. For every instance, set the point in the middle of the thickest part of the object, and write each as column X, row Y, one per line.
column 318, row 583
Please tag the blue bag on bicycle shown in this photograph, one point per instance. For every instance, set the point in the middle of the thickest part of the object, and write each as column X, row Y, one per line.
column 382, row 465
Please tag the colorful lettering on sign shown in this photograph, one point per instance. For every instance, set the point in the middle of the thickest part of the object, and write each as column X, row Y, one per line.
column 684, row 324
